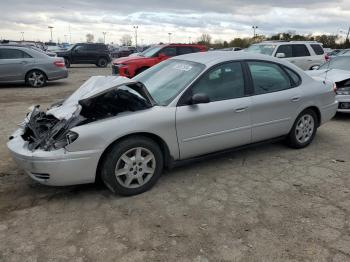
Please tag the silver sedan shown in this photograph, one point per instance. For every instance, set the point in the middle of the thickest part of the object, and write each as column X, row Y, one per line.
column 20, row 64
column 125, row 131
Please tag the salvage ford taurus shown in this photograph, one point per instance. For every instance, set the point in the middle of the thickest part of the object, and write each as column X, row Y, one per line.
column 125, row 131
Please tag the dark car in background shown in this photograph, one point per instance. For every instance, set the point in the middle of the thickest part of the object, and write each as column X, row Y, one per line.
column 134, row 65
column 86, row 53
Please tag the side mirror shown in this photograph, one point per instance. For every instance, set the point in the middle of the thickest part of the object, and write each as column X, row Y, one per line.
column 316, row 67
column 161, row 55
column 200, row 98
column 280, row 55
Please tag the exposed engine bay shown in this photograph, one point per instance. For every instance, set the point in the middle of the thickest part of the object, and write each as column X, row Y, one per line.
column 50, row 130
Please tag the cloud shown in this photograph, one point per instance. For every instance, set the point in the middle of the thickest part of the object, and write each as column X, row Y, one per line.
column 223, row 19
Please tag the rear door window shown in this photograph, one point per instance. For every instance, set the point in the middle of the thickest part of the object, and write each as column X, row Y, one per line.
column 300, row 50
column 182, row 50
column 286, row 49
column 317, row 49
column 268, row 77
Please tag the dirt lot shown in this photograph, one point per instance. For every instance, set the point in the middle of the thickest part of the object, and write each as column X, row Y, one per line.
column 268, row 203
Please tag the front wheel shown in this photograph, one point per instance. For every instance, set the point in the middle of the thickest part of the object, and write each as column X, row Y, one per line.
column 303, row 130
column 132, row 166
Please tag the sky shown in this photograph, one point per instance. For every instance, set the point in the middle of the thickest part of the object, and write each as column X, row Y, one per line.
column 185, row 20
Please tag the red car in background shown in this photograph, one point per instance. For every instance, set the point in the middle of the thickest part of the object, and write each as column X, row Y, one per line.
column 133, row 65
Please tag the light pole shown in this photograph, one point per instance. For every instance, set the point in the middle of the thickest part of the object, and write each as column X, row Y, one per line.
column 66, row 38
column 104, row 37
column 169, row 37
column 50, row 27
column 135, row 28
column 254, row 28
column 22, row 33
column 189, row 39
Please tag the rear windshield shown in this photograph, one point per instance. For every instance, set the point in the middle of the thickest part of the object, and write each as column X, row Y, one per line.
column 318, row 49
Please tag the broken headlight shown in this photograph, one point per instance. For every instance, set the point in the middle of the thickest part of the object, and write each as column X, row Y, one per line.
column 69, row 138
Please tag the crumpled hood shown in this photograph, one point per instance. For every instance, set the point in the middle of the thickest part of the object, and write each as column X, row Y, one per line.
column 95, row 85
column 334, row 75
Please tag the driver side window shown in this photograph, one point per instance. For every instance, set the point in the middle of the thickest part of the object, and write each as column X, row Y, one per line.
column 169, row 51
column 222, row 82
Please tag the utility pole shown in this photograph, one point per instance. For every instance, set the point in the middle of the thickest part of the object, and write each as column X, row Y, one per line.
column 22, row 33
column 136, row 27
column 104, row 37
column 189, row 39
column 50, row 27
column 66, row 38
column 254, row 28
column 169, row 37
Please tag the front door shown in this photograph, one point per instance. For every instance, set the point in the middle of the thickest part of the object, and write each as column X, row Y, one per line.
column 222, row 123
column 12, row 64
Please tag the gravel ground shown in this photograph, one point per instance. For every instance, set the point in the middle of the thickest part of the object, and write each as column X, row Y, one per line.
column 267, row 203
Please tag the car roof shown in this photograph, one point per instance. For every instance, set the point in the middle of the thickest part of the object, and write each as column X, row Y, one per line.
column 279, row 42
column 212, row 58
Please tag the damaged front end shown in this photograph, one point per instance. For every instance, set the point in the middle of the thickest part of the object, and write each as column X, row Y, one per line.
column 99, row 98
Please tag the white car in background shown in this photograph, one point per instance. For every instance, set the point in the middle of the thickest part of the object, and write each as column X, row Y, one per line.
column 337, row 70
column 304, row 54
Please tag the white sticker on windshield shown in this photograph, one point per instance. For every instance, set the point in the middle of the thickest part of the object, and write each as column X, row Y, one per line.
column 182, row 67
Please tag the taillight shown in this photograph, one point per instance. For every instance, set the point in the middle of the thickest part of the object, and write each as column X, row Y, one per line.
column 59, row 63
column 335, row 88
column 327, row 57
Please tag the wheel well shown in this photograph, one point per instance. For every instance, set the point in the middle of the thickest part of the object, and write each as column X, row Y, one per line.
column 162, row 145
column 31, row 70
column 318, row 113
column 104, row 57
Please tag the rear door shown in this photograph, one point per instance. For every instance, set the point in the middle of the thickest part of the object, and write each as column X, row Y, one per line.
column 276, row 98
column 222, row 123
column 301, row 56
column 319, row 57
column 13, row 63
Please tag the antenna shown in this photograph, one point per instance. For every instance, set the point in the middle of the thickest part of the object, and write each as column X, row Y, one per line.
column 325, row 77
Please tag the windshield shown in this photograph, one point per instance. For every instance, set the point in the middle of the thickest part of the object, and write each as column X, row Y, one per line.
column 339, row 62
column 150, row 51
column 261, row 49
column 167, row 79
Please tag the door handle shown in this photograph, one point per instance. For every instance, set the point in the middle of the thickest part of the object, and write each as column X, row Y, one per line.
column 295, row 99
column 240, row 110
column 24, row 62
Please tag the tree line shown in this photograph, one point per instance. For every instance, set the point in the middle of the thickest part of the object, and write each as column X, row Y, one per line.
column 328, row 41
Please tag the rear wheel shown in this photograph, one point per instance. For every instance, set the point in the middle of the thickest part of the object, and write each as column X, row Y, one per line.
column 36, row 78
column 303, row 130
column 132, row 166
column 102, row 62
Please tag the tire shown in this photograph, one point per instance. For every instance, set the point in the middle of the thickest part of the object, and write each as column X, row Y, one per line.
column 67, row 62
column 36, row 78
column 139, row 71
column 102, row 62
column 303, row 130
column 125, row 173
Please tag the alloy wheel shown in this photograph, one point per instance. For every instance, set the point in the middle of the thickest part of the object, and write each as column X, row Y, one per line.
column 36, row 79
column 135, row 167
column 304, row 128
